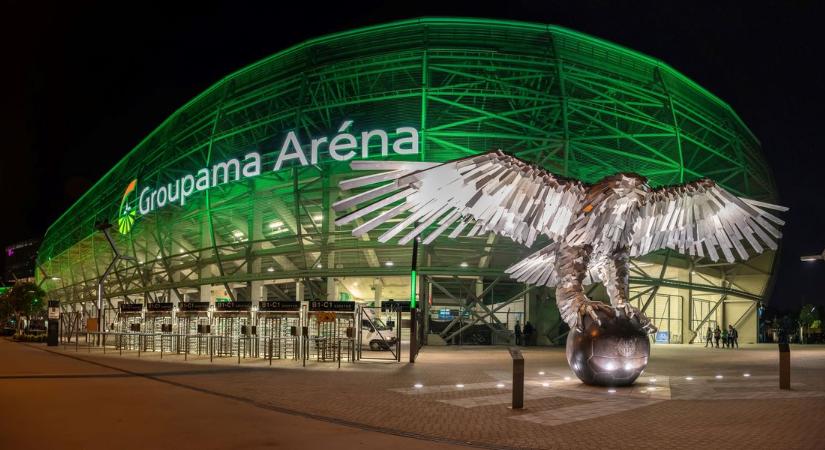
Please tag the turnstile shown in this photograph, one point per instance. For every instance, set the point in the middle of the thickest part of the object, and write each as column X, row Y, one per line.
column 194, row 327
column 232, row 329
column 278, row 330
column 331, row 331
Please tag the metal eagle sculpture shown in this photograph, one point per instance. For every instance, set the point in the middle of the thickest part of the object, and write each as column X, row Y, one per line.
column 593, row 228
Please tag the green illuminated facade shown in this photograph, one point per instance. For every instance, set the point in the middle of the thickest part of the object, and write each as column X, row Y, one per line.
column 577, row 105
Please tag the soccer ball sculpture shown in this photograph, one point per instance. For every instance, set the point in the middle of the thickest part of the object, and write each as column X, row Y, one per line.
column 614, row 353
column 593, row 231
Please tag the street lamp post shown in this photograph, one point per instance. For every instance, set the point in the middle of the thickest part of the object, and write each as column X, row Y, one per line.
column 810, row 258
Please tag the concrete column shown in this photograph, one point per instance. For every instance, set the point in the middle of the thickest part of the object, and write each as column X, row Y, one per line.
column 175, row 301
column 299, row 291
column 256, row 292
column 332, row 289
column 206, row 294
column 378, row 286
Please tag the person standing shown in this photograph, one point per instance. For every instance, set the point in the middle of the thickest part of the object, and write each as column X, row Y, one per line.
column 725, row 337
column 717, row 333
column 733, row 335
column 517, row 332
column 709, row 337
column 528, row 333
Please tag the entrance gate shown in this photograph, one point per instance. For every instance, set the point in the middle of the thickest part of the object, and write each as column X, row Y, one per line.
column 233, row 325
column 158, row 326
column 130, row 319
column 194, row 327
column 380, row 332
column 330, row 331
column 278, row 330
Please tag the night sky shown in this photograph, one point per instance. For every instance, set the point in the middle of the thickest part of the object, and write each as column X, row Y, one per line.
column 83, row 84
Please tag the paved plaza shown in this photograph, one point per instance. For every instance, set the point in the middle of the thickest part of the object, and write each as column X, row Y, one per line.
column 689, row 397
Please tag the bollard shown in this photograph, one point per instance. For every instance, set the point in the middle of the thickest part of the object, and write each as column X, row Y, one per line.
column 784, row 366
column 518, row 378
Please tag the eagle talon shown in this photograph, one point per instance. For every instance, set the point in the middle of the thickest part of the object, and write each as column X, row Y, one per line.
column 589, row 307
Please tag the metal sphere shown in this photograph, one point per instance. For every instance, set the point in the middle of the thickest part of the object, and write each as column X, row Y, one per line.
column 613, row 354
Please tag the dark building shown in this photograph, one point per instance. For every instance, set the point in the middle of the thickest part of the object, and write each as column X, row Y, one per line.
column 20, row 260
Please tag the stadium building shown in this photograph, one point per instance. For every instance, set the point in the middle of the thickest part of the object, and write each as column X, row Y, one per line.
column 229, row 199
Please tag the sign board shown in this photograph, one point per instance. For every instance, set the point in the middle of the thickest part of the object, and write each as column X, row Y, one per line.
column 445, row 314
column 193, row 306
column 91, row 324
column 277, row 305
column 54, row 310
column 131, row 307
column 159, row 307
column 393, row 306
column 233, row 306
column 662, row 337
column 321, row 305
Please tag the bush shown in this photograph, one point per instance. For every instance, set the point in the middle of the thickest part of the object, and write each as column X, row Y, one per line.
column 30, row 337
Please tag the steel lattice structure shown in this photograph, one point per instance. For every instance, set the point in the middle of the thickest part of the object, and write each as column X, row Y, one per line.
column 577, row 105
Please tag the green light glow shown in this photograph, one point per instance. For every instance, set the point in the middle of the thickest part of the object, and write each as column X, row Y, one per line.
column 574, row 104
column 413, row 278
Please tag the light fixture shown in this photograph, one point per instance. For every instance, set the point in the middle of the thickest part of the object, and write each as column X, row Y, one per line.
column 270, row 269
column 611, row 391
column 418, row 385
column 276, row 224
column 464, row 264
column 719, row 377
column 318, row 217
column 746, row 375
column 389, row 263
column 237, row 233
column 459, row 385
column 320, row 266
column 545, row 384
column 689, row 378
column 652, row 380
column 541, row 373
column 500, row 385
column 55, row 278
column 566, row 378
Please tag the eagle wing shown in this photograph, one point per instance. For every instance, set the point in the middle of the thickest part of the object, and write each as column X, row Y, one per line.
column 698, row 217
column 487, row 192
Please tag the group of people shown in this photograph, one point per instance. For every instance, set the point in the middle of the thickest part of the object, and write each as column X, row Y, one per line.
column 729, row 337
column 524, row 337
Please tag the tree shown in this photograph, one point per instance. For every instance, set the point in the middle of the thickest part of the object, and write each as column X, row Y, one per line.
column 26, row 299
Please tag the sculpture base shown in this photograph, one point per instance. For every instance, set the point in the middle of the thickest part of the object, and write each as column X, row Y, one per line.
column 613, row 354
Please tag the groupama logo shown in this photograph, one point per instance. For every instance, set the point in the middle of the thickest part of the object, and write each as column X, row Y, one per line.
column 127, row 212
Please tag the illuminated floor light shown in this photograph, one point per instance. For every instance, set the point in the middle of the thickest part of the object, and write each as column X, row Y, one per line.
column 566, row 378
column 418, row 385
column 652, row 380
column 541, row 373
column 689, row 378
column 719, row 377
column 545, row 384
column 500, row 385
column 459, row 386
column 644, row 391
column 746, row 375
column 651, row 389
column 611, row 391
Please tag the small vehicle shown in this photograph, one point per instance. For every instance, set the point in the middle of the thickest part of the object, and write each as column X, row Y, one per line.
column 375, row 334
